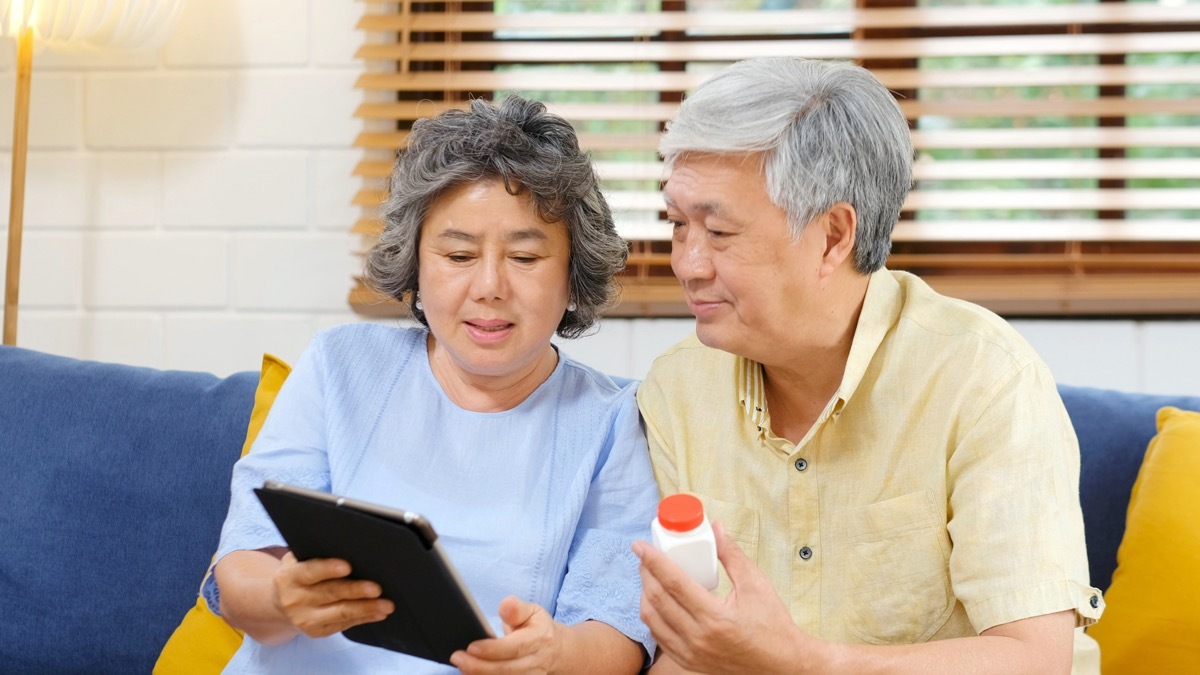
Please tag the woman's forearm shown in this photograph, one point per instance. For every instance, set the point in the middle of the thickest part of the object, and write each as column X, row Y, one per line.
column 247, row 595
column 594, row 647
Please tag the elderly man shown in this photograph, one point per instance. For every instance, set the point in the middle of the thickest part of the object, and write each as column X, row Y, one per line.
column 895, row 476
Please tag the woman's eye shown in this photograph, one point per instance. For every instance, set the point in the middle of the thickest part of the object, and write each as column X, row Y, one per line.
column 524, row 259
column 459, row 257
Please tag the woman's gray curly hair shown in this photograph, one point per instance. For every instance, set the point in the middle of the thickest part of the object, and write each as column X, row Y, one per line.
column 534, row 153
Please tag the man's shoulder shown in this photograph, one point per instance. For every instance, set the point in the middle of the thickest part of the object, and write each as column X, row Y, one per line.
column 934, row 315
column 687, row 359
column 688, row 375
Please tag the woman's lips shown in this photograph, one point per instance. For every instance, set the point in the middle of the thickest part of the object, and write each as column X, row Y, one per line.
column 488, row 331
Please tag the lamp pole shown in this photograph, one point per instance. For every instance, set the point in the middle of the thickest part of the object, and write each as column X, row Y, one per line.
column 16, row 207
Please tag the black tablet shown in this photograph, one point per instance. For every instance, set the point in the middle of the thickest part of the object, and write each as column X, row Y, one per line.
column 435, row 614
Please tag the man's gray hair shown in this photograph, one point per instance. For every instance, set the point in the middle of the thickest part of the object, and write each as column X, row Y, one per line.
column 829, row 132
column 534, row 153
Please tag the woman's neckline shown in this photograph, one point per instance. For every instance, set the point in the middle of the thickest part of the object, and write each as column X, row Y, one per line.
column 477, row 400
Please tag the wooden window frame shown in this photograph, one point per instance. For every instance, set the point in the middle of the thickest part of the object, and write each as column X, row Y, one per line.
column 1110, row 263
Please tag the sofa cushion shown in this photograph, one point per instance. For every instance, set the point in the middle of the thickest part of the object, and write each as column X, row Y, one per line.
column 1150, row 625
column 203, row 642
column 1114, row 429
column 115, row 484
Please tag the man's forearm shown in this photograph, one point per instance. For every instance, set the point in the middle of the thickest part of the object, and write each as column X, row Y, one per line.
column 1040, row 644
column 1037, row 645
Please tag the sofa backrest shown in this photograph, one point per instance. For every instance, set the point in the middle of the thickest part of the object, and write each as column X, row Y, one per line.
column 114, row 485
column 1114, row 429
column 116, row 481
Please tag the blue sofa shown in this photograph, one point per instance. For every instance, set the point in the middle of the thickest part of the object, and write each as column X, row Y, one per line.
column 115, row 484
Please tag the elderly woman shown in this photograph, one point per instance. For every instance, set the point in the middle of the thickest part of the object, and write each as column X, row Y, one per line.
column 533, row 467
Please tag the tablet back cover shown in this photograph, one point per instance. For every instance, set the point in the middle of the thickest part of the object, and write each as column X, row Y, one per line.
column 432, row 619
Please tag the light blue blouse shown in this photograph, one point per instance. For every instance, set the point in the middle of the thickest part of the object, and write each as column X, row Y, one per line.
column 541, row 501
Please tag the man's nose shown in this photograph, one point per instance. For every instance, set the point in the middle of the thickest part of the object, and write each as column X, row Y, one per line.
column 691, row 257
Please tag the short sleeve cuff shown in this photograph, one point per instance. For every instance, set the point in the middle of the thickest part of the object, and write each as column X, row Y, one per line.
column 211, row 593
column 603, row 585
column 1046, row 598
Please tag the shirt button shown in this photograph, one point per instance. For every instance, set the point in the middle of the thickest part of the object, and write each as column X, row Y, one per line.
column 1095, row 601
column 805, row 553
column 801, row 464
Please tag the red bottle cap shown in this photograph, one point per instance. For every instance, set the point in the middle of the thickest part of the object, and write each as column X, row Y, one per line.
column 680, row 512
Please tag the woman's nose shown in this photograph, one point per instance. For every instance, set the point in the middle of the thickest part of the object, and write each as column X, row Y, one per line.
column 490, row 282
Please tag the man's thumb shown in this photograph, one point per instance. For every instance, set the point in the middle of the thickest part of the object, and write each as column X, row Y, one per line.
column 732, row 558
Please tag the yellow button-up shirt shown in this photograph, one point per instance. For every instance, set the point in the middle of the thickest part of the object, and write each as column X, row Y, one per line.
column 936, row 496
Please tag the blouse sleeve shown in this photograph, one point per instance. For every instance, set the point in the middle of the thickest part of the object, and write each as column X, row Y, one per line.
column 291, row 448
column 602, row 581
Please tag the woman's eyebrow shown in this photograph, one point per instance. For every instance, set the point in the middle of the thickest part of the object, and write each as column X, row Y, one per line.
column 527, row 233
column 460, row 235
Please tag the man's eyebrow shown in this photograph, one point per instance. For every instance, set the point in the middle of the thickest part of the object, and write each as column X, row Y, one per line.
column 715, row 209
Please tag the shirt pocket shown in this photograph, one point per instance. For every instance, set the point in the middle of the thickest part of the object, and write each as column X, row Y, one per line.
column 898, row 589
column 741, row 524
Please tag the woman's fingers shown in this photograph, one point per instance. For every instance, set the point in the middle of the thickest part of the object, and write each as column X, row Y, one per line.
column 317, row 598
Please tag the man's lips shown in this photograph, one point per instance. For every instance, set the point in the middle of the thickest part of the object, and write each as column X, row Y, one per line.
column 703, row 304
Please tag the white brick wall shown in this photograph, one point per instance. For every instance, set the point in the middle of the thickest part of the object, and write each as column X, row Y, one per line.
column 55, row 108
column 235, row 189
column 239, row 33
column 159, row 110
column 189, row 208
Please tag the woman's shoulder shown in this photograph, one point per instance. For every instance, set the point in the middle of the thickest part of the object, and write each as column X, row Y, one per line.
column 610, row 389
column 364, row 342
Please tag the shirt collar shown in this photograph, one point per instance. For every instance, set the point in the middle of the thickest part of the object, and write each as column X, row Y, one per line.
column 751, row 396
column 880, row 311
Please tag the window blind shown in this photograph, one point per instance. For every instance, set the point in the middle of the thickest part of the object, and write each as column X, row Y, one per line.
column 1058, row 167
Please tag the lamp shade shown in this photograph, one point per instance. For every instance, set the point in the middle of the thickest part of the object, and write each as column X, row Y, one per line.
column 73, row 24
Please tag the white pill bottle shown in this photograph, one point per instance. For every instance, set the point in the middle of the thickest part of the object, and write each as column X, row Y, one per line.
column 683, row 532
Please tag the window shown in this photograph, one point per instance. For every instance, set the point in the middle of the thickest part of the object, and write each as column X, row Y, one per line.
column 1058, row 143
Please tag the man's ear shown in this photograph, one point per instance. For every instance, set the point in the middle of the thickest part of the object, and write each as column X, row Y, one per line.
column 841, row 231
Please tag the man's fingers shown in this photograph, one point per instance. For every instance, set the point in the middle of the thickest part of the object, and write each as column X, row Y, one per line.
column 673, row 581
column 661, row 610
column 660, row 628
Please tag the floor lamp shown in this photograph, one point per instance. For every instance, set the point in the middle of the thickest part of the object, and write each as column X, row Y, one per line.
column 87, row 25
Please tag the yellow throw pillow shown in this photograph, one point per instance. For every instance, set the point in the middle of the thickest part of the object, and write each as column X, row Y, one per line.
column 1151, row 624
column 203, row 642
